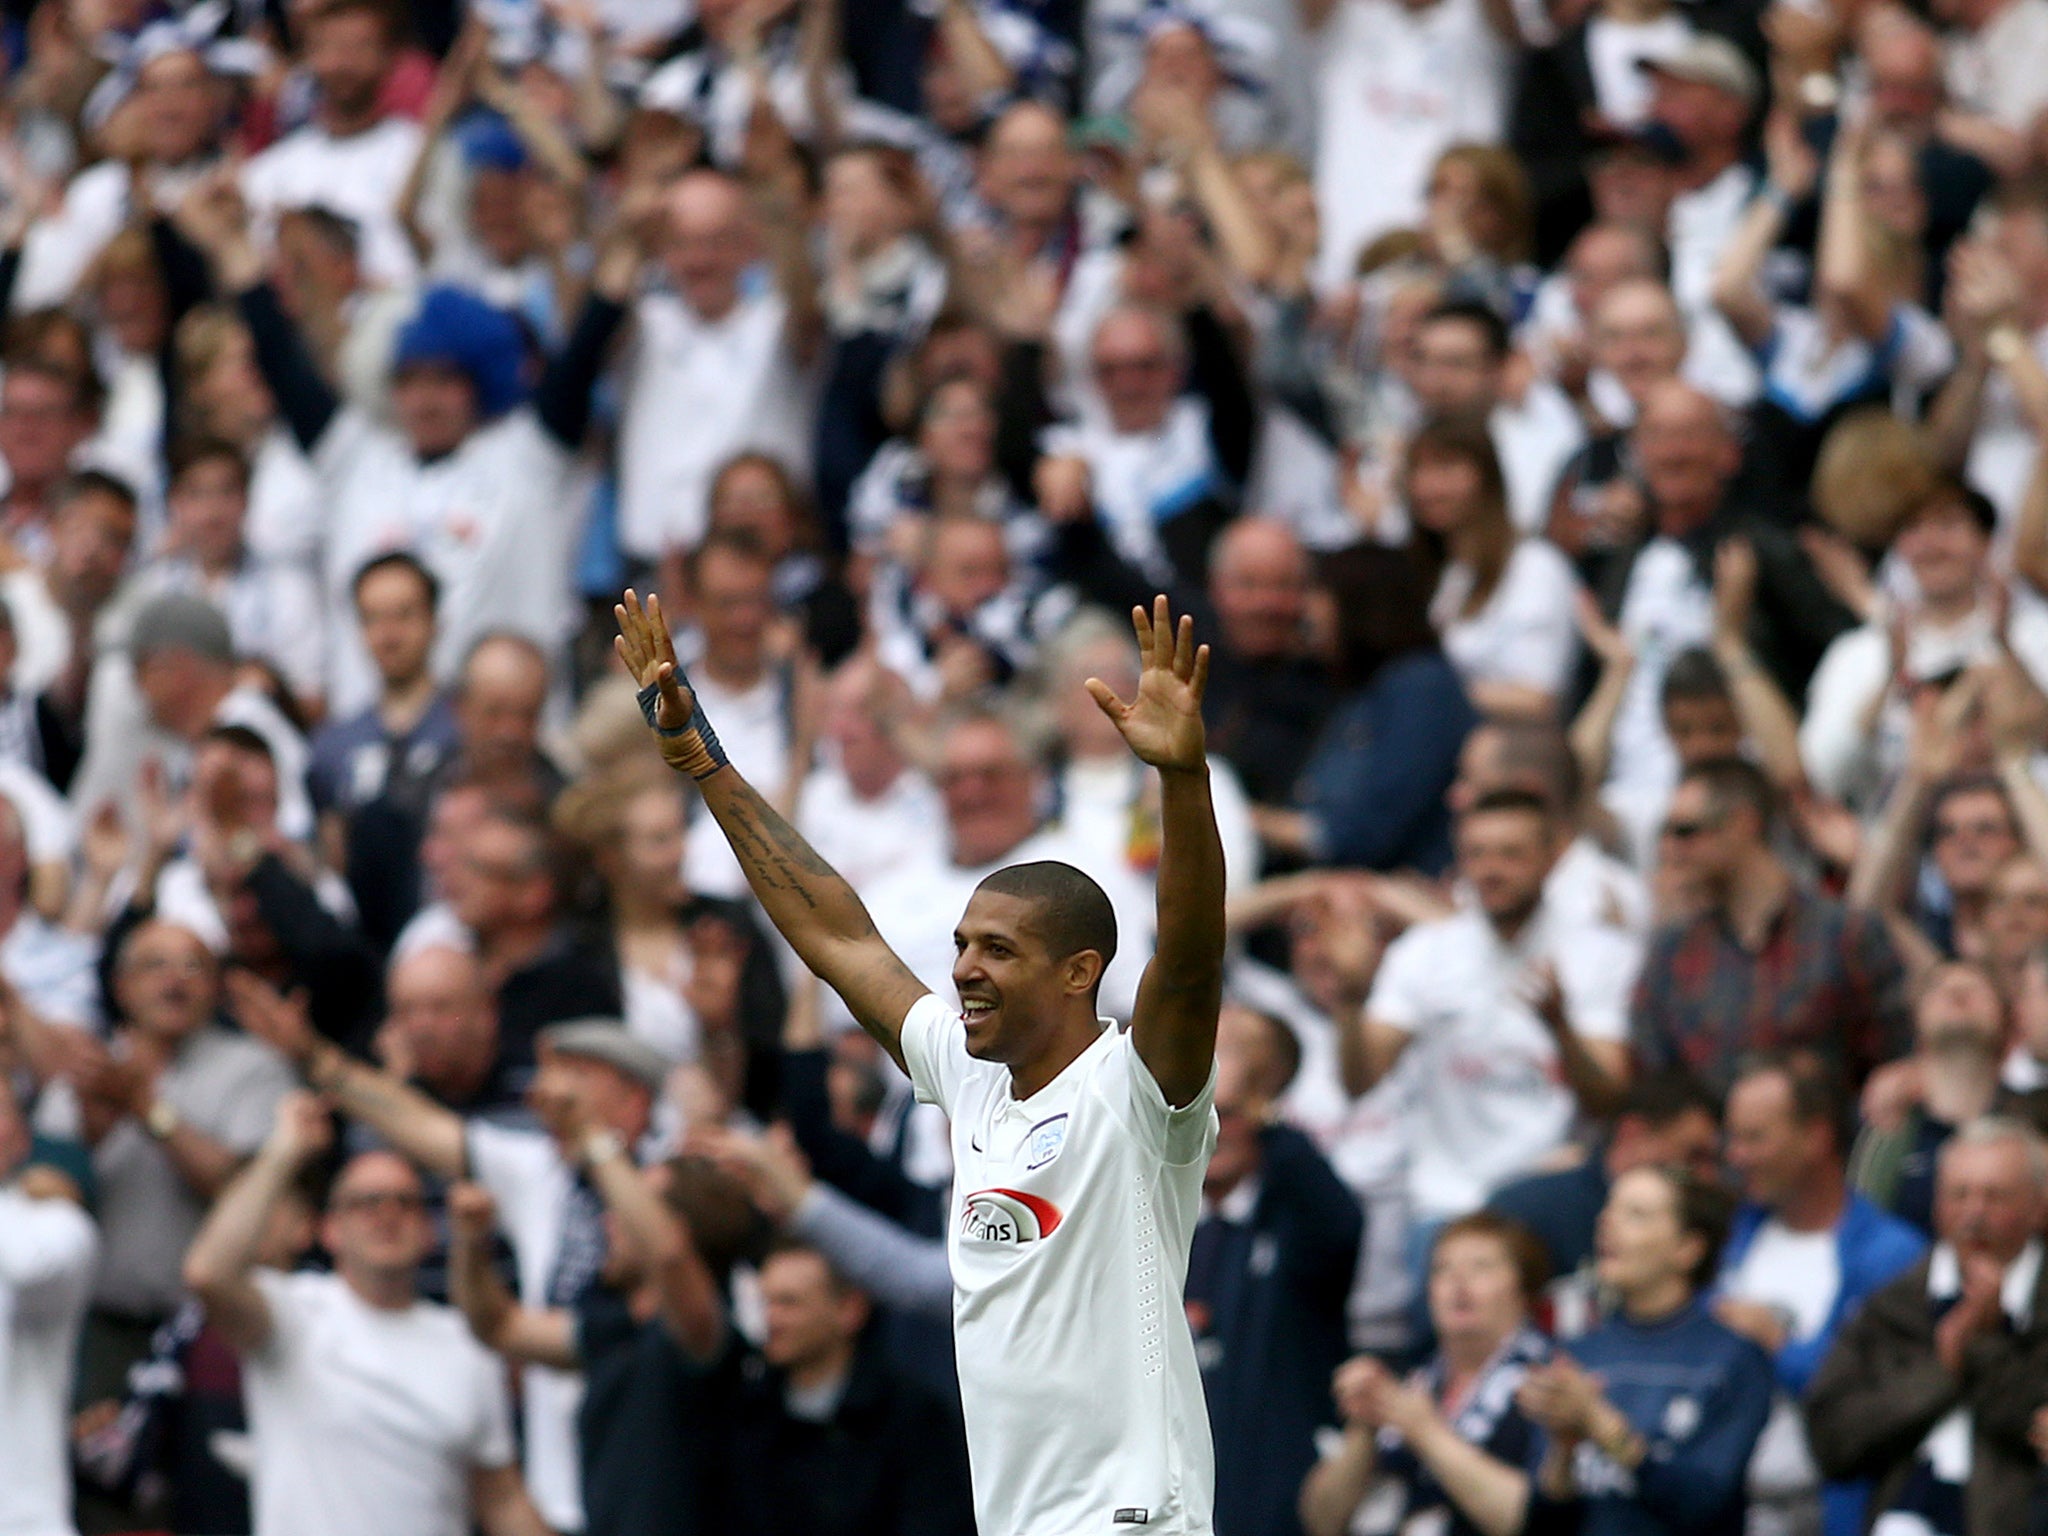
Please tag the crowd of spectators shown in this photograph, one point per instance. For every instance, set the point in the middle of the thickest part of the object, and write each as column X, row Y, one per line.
column 1601, row 441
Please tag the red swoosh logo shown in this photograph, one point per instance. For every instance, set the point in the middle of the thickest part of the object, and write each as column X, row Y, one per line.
column 1047, row 1213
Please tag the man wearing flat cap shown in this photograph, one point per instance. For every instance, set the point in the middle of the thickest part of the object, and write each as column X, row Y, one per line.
column 174, row 684
column 594, row 1095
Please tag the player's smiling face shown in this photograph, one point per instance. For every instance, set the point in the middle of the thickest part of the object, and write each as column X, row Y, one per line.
column 1010, row 984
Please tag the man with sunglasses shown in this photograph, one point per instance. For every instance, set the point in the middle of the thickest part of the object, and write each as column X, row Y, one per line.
column 1762, row 963
column 369, row 1409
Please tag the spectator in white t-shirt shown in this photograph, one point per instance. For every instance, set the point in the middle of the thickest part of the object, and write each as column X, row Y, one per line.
column 594, row 1078
column 717, row 352
column 352, row 157
column 1503, row 604
column 369, row 1409
column 1399, row 81
column 864, row 807
column 1516, row 1021
column 47, row 1247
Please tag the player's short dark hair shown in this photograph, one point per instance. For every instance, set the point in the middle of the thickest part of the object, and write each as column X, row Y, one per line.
column 399, row 560
column 1069, row 910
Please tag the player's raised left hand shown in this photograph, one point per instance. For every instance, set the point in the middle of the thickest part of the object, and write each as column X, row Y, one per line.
column 1163, row 724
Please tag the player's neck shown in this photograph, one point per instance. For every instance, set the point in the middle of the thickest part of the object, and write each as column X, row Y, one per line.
column 1062, row 1049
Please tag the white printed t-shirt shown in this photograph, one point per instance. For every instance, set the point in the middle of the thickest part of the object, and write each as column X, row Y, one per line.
column 365, row 1419
column 1068, row 1238
column 1489, row 1097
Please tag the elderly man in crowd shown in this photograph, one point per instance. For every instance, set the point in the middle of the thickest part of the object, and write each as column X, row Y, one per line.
column 1932, row 1390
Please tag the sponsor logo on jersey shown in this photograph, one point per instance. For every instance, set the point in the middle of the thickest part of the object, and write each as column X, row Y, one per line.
column 1007, row 1216
column 1043, row 1142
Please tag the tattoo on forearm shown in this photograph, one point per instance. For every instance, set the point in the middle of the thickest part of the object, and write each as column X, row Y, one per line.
column 776, row 855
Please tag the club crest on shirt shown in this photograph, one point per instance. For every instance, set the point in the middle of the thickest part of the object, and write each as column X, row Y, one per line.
column 1007, row 1216
column 1043, row 1142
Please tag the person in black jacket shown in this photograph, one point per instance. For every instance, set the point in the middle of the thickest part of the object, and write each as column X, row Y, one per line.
column 826, row 1438
column 1268, row 1276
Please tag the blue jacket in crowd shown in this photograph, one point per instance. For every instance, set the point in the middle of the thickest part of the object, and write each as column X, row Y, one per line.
column 1699, row 1394
column 1872, row 1248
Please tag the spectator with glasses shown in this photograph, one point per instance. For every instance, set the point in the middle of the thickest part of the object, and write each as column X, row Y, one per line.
column 369, row 1409
column 1762, row 964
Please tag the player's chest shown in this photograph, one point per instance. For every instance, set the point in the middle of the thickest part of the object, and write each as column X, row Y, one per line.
column 1025, row 1172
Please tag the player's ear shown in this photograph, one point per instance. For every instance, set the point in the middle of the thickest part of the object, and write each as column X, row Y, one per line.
column 1081, row 971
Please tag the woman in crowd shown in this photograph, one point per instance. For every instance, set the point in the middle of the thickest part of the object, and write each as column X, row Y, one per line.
column 1372, row 793
column 1451, row 1438
column 945, row 465
column 699, row 982
column 1649, row 1423
column 219, row 393
column 1503, row 605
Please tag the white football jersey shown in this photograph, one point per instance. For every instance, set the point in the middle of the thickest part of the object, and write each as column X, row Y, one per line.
column 1072, row 1215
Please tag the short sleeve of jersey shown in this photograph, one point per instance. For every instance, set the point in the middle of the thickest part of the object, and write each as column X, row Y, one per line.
column 1180, row 1136
column 934, row 1050
column 1397, row 992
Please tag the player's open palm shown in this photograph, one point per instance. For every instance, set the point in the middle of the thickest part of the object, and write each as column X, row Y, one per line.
column 1163, row 723
column 644, row 645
